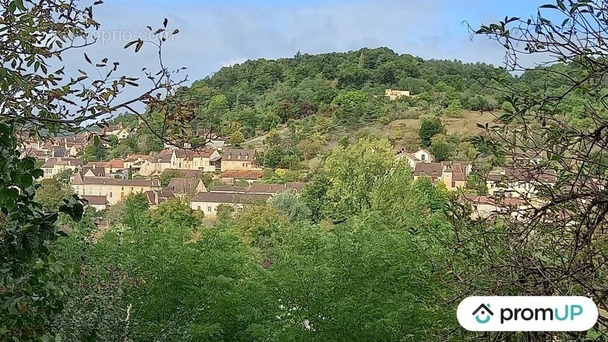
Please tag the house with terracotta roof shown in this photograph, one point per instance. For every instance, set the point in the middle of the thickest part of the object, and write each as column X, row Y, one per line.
column 114, row 189
column 231, row 176
column 239, row 159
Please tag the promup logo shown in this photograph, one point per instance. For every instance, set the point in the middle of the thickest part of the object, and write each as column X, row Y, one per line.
column 544, row 313
column 483, row 313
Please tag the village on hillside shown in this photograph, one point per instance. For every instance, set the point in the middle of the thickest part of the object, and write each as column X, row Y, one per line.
column 238, row 174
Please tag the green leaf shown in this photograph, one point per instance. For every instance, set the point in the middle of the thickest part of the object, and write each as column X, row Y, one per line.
column 37, row 173
column 26, row 180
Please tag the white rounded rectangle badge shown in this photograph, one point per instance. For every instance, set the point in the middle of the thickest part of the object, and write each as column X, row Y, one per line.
column 527, row 313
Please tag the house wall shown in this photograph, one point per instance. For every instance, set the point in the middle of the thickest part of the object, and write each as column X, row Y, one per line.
column 238, row 165
column 448, row 179
column 113, row 193
column 202, row 164
column 411, row 161
column 210, row 208
column 423, row 156
column 50, row 172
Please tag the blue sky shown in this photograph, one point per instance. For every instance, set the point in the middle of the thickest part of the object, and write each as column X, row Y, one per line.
column 220, row 33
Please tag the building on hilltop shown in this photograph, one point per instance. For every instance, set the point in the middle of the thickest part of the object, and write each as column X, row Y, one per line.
column 393, row 94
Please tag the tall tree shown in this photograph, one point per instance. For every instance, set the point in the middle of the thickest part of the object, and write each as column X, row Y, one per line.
column 352, row 172
column 430, row 127
column 33, row 284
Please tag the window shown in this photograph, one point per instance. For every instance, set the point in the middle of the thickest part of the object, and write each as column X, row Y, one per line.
column 423, row 157
column 198, row 207
column 453, row 184
column 110, row 194
column 208, row 209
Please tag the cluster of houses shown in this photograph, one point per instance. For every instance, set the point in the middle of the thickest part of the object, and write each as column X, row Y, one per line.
column 452, row 174
column 509, row 189
column 107, row 183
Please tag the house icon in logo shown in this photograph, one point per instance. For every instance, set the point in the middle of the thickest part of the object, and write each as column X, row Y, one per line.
column 481, row 311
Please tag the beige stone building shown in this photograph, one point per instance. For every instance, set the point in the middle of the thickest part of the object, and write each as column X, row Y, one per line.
column 393, row 94
column 434, row 171
column 208, row 202
column 54, row 166
column 118, row 131
column 452, row 174
column 114, row 189
column 244, row 159
column 455, row 174
column 204, row 160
